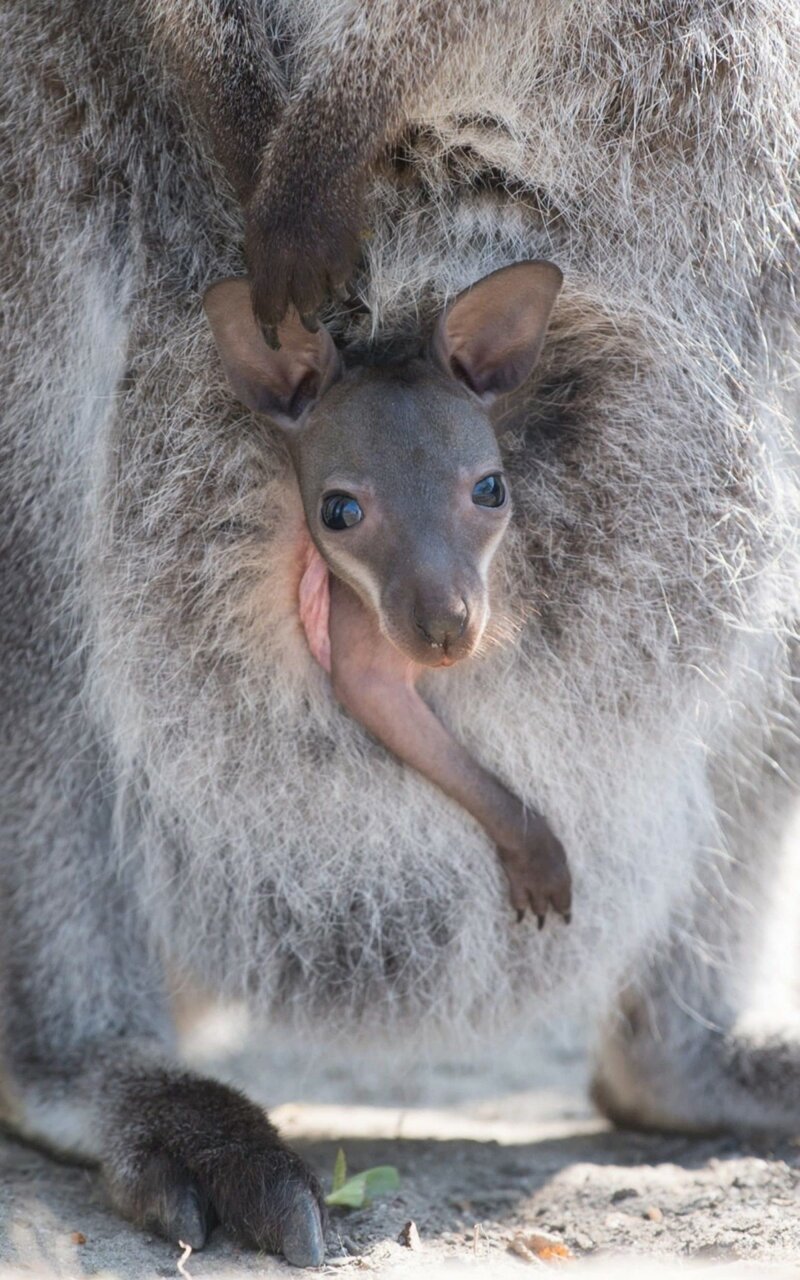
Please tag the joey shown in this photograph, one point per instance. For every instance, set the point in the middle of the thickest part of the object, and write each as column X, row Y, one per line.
column 406, row 504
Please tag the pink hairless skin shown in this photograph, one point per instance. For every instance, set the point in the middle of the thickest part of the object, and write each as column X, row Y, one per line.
column 402, row 486
column 376, row 683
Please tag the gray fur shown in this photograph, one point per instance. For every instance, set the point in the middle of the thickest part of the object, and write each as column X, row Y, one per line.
column 178, row 786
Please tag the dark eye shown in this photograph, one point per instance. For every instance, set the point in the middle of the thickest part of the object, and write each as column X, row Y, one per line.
column 489, row 492
column 340, row 511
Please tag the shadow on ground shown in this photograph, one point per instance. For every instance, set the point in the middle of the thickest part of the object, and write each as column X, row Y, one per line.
column 488, row 1150
column 598, row 1192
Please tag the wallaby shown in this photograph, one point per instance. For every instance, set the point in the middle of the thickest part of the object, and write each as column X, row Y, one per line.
column 179, row 790
column 400, row 477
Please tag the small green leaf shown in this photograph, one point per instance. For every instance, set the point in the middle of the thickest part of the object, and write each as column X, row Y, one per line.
column 351, row 1194
column 363, row 1187
column 339, row 1171
column 381, row 1180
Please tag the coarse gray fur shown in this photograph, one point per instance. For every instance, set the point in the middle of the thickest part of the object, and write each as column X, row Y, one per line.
column 179, row 790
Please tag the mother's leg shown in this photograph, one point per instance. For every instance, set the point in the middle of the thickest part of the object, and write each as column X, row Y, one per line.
column 86, row 1056
column 708, row 1036
column 87, row 1065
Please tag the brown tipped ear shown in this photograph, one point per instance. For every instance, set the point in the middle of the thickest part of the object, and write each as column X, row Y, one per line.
column 282, row 384
column 491, row 335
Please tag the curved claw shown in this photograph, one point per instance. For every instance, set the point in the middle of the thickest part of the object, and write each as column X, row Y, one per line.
column 302, row 1241
column 166, row 1199
column 189, row 1223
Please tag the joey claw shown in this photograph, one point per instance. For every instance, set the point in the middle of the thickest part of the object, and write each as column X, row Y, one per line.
column 540, row 921
column 302, row 1240
column 310, row 322
column 520, row 915
column 566, row 916
column 271, row 336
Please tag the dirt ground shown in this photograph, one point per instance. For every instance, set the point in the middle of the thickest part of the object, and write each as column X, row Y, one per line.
column 489, row 1151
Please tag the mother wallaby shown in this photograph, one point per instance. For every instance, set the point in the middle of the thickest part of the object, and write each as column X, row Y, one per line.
column 180, row 790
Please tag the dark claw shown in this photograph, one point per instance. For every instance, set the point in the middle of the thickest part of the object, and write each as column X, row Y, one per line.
column 566, row 916
column 173, row 1206
column 271, row 337
column 520, row 915
column 189, row 1225
column 540, row 921
column 310, row 322
column 302, row 1242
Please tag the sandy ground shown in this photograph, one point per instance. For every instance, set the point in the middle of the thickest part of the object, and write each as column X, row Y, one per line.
column 489, row 1151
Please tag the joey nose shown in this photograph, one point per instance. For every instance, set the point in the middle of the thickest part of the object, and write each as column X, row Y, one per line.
column 441, row 624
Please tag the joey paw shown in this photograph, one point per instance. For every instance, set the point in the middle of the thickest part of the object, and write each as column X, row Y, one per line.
column 538, row 874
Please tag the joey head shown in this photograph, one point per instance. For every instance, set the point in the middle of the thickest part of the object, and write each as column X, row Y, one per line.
column 402, row 485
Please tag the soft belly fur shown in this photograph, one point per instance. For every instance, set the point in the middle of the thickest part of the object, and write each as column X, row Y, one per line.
column 645, row 589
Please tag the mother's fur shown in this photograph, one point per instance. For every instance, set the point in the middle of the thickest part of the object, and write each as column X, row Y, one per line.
column 179, row 788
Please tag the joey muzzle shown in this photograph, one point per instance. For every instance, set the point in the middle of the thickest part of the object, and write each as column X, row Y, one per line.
column 441, row 626
column 435, row 624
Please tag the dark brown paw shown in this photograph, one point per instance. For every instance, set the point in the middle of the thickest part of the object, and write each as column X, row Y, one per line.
column 188, row 1153
column 301, row 245
column 538, row 874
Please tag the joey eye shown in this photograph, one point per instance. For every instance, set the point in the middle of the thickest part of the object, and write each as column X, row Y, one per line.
column 490, row 491
column 340, row 511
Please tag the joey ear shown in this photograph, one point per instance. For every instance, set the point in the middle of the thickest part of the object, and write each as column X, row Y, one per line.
column 282, row 384
column 491, row 335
